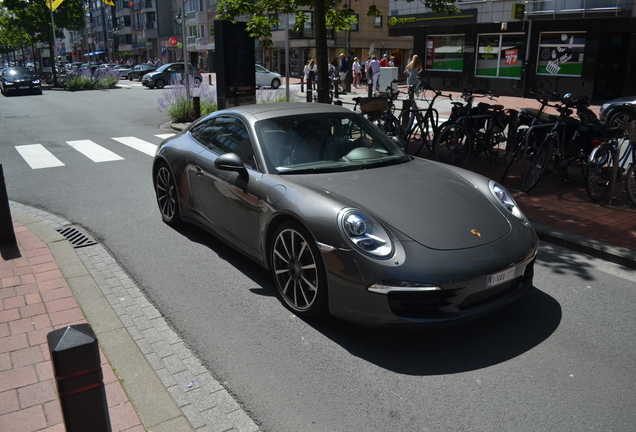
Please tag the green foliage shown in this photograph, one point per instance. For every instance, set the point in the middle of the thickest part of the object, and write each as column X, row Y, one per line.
column 33, row 18
column 86, row 82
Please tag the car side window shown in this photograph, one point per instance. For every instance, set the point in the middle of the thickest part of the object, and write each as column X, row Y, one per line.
column 226, row 134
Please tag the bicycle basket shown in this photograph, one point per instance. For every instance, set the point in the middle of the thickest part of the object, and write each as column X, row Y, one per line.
column 373, row 104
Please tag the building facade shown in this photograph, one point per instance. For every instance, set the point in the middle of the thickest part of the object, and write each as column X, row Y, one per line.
column 511, row 48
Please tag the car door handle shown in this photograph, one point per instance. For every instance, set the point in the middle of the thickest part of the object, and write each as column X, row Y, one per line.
column 199, row 171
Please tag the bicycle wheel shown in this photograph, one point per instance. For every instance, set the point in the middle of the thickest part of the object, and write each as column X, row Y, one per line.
column 416, row 140
column 514, row 152
column 598, row 172
column 630, row 183
column 452, row 145
column 495, row 140
column 540, row 162
column 388, row 124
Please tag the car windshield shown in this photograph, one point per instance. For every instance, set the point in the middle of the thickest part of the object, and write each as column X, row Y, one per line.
column 18, row 73
column 325, row 143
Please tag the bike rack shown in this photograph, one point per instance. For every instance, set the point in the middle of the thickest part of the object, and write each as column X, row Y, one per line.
column 619, row 151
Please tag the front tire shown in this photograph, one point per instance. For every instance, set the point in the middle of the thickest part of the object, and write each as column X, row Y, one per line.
column 159, row 84
column 298, row 270
column 540, row 161
column 275, row 83
column 167, row 195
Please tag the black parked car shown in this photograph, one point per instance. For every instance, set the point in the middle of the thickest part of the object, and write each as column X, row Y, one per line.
column 140, row 70
column 619, row 112
column 19, row 79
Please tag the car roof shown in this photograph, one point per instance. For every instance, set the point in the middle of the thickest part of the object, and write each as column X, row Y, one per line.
column 266, row 111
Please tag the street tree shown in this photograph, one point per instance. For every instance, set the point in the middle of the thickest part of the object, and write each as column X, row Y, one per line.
column 263, row 15
column 33, row 17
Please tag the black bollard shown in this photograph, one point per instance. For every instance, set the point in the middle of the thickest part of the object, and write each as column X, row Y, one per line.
column 196, row 106
column 309, row 96
column 76, row 365
column 7, row 233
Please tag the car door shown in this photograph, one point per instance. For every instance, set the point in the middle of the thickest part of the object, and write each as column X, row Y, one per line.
column 262, row 76
column 229, row 199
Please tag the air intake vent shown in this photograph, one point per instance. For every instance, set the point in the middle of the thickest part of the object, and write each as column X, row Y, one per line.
column 77, row 238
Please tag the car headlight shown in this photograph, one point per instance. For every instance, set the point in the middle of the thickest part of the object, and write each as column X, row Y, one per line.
column 604, row 107
column 366, row 234
column 506, row 200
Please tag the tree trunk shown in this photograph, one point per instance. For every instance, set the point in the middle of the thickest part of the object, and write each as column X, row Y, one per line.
column 320, row 23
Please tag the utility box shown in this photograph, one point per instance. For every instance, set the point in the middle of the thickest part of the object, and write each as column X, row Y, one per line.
column 387, row 76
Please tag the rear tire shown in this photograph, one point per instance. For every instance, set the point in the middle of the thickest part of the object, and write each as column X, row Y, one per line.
column 598, row 172
column 539, row 164
column 452, row 145
column 630, row 183
column 167, row 195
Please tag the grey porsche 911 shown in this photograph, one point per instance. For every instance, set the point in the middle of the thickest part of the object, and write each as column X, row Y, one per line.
column 345, row 221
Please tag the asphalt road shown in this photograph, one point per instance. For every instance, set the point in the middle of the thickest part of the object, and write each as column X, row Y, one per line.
column 561, row 359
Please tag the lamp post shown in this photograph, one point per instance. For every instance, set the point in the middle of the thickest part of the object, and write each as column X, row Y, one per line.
column 179, row 19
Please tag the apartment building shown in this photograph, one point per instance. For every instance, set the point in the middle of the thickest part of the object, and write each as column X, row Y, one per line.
column 511, row 47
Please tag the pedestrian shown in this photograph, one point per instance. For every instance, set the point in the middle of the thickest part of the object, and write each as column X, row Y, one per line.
column 374, row 66
column 384, row 62
column 310, row 74
column 412, row 70
column 357, row 72
column 392, row 61
column 343, row 71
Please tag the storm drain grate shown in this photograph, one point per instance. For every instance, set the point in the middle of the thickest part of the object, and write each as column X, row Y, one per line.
column 77, row 238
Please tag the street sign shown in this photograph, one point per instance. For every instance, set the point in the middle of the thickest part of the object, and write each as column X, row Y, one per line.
column 163, row 51
column 63, row 52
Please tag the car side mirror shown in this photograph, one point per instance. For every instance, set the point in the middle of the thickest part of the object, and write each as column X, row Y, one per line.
column 230, row 162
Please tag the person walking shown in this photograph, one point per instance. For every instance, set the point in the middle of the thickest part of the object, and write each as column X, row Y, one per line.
column 412, row 70
column 392, row 61
column 357, row 72
column 385, row 61
column 343, row 70
column 310, row 74
column 374, row 66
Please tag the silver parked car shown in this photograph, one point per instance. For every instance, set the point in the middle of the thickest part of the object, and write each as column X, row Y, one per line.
column 265, row 78
column 345, row 221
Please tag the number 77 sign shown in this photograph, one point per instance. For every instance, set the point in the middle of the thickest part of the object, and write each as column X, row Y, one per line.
column 512, row 57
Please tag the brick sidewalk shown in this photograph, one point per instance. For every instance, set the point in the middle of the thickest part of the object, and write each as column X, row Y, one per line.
column 35, row 299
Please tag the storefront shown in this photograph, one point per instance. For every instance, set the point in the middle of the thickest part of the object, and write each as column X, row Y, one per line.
column 577, row 55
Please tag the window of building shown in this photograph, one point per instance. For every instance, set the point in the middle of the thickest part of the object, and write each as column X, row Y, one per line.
column 561, row 53
column 377, row 21
column 354, row 27
column 445, row 53
column 500, row 55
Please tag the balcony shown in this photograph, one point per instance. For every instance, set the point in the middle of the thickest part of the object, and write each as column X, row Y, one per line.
column 554, row 8
column 147, row 5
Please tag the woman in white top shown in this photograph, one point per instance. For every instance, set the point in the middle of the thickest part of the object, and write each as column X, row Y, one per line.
column 356, row 72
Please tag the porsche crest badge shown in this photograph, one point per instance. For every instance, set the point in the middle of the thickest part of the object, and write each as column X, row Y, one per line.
column 475, row 233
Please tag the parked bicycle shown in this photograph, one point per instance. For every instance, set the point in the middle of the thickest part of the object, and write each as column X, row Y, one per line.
column 472, row 129
column 611, row 162
column 567, row 144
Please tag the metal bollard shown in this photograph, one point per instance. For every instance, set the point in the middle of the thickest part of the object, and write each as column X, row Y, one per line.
column 196, row 106
column 76, row 365
column 309, row 96
column 7, row 233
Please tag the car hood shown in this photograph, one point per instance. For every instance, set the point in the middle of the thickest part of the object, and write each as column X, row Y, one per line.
column 425, row 201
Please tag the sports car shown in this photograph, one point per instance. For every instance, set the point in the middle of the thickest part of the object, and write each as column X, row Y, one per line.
column 346, row 222
column 19, row 79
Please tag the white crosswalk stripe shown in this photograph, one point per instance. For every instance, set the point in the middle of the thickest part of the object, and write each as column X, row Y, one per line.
column 38, row 157
column 138, row 144
column 94, row 151
column 164, row 136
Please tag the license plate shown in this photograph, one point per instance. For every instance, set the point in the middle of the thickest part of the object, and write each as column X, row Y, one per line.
column 23, row 87
column 501, row 277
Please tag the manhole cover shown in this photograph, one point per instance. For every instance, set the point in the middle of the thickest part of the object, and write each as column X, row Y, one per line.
column 77, row 237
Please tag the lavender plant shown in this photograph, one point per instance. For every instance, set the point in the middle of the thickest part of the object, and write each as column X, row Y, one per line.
column 173, row 100
column 85, row 79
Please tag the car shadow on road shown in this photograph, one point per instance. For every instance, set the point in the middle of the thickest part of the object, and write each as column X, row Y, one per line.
column 481, row 343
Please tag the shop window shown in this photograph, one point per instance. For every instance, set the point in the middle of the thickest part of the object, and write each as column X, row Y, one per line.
column 561, row 54
column 445, row 53
column 500, row 55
